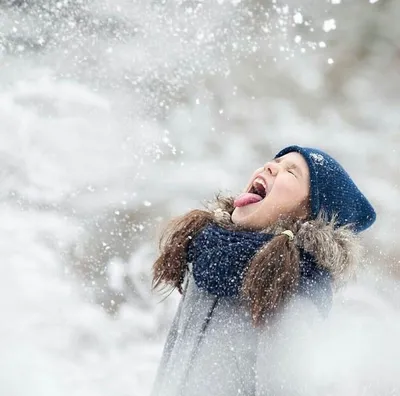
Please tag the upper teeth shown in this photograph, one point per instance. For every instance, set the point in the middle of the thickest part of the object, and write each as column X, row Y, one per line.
column 258, row 180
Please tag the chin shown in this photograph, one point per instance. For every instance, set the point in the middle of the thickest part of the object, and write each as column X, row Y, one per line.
column 241, row 219
column 236, row 217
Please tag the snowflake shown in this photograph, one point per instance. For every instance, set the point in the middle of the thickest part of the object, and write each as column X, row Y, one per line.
column 317, row 158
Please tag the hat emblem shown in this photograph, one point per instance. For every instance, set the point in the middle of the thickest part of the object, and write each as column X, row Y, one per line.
column 317, row 158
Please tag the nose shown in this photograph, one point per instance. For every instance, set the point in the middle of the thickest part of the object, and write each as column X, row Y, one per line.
column 272, row 168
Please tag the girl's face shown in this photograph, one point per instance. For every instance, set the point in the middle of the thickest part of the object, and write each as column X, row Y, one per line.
column 278, row 190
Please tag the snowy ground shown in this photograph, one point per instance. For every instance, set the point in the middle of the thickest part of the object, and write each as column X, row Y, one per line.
column 115, row 117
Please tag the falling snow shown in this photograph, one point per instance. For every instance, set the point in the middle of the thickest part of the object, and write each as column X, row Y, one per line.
column 117, row 116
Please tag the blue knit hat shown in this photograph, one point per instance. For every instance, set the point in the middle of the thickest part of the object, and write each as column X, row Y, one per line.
column 333, row 191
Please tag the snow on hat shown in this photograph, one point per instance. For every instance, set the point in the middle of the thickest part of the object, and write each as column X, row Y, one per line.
column 333, row 191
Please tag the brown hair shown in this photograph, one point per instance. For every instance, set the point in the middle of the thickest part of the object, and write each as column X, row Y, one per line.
column 170, row 268
column 270, row 279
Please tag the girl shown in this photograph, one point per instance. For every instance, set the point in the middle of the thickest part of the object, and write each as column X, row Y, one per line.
column 243, row 265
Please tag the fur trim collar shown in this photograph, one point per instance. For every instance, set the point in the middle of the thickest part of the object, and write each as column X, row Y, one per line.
column 337, row 249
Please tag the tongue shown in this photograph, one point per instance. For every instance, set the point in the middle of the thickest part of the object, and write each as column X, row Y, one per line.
column 246, row 199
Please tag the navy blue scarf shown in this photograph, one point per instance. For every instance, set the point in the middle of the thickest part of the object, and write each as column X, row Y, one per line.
column 220, row 257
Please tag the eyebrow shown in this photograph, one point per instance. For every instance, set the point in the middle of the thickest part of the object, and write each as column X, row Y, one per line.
column 291, row 165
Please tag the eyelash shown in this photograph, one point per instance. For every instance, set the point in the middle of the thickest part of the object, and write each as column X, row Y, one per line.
column 292, row 173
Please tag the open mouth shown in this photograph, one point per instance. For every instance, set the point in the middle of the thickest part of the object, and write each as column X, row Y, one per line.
column 256, row 193
column 259, row 187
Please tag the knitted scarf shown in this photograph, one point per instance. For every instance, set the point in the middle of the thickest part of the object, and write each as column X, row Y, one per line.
column 219, row 258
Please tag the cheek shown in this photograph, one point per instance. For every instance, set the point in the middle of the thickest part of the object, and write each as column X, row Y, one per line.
column 285, row 188
column 289, row 193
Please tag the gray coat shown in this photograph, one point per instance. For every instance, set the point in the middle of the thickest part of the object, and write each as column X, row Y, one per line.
column 213, row 349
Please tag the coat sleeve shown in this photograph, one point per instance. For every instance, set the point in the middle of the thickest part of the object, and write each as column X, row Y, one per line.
column 169, row 346
column 284, row 354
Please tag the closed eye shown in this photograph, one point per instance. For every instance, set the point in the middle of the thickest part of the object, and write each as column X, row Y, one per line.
column 290, row 171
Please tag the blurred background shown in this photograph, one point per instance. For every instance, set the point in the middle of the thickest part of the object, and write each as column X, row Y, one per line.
column 117, row 115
